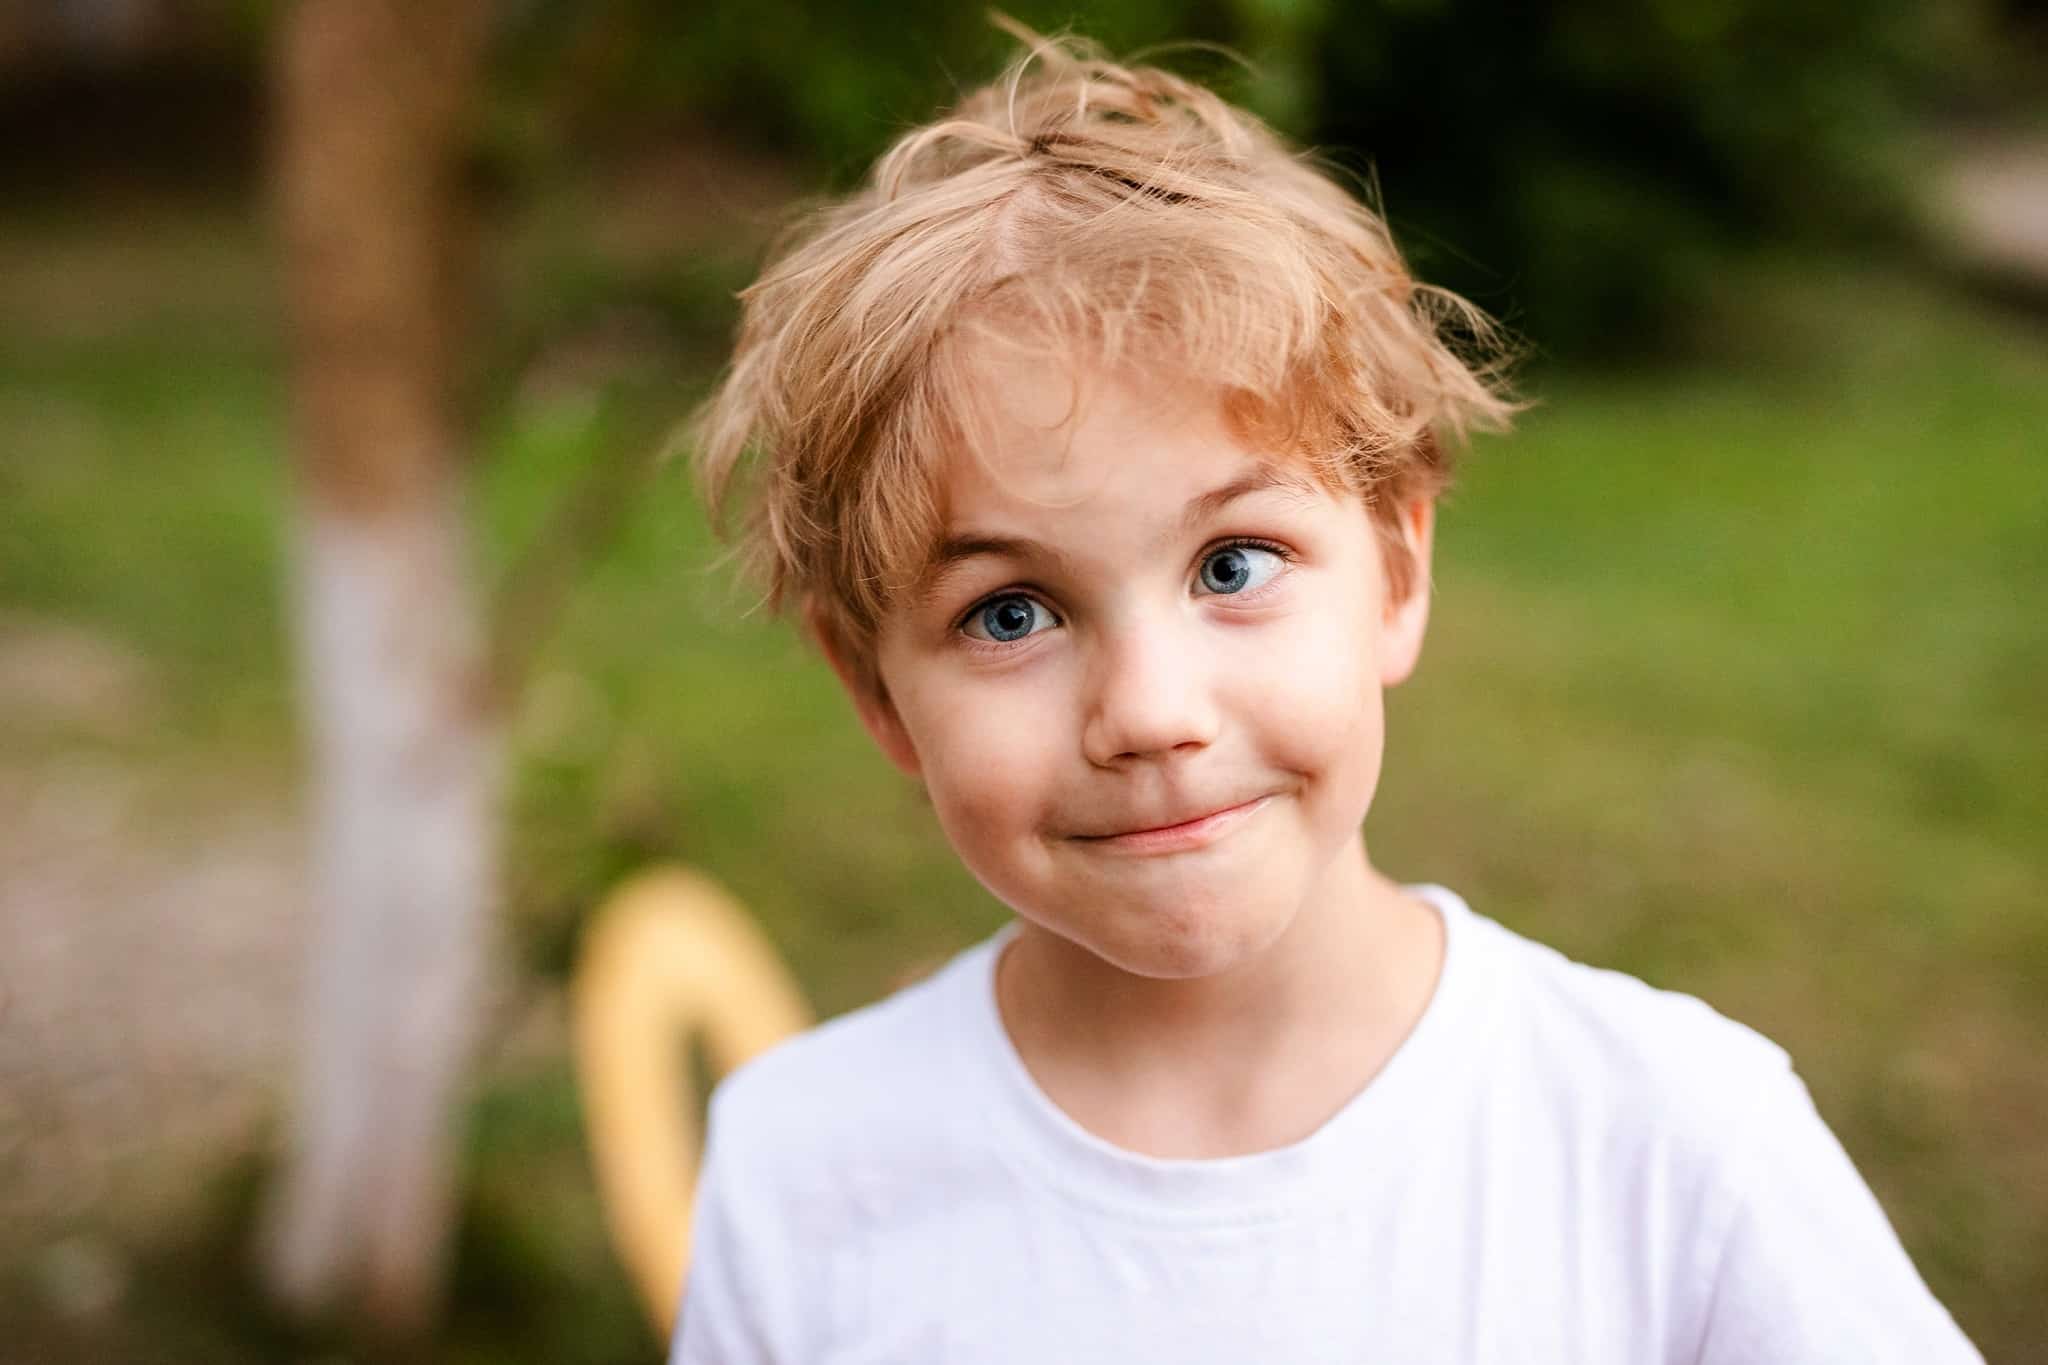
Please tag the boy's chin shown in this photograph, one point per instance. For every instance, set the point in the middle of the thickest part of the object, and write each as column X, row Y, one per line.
column 1188, row 945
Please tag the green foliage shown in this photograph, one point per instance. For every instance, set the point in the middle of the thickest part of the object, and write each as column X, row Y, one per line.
column 1588, row 166
column 831, row 84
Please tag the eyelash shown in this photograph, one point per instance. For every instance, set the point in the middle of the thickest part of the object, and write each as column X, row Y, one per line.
column 993, row 646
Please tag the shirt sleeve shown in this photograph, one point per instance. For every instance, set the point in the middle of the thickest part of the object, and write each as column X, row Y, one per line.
column 729, row 1313
column 1810, row 1270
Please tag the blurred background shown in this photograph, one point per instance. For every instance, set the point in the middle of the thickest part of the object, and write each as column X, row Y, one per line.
column 1736, row 680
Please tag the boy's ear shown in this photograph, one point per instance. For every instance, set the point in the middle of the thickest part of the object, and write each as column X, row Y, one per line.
column 1406, row 619
column 864, row 687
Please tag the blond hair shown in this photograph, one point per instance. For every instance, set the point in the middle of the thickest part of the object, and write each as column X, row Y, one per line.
column 1117, row 212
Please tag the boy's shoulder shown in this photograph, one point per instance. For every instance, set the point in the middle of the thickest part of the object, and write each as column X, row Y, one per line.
column 880, row 1072
column 1624, row 1014
column 1658, row 1061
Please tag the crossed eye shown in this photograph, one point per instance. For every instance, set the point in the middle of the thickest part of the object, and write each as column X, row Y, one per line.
column 1233, row 568
column 1225, row 570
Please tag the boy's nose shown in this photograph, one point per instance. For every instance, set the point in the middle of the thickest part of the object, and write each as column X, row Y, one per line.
column 1148, row 696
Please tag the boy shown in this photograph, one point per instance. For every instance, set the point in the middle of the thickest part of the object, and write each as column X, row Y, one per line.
column 1097, row 440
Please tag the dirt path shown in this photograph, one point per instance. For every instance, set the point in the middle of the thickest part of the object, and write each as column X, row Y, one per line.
column 150, row 929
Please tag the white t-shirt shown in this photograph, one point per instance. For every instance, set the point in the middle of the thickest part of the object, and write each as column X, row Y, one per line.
column 1560, row 1164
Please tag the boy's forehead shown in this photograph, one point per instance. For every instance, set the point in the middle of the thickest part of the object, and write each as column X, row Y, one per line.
column 1090, row 462
column 1039, row 426
column 1040, row 385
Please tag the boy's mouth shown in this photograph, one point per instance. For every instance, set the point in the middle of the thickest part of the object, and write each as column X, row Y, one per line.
column 1184, row 832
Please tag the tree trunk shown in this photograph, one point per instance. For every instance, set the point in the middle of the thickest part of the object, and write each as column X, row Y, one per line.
column 372, row 96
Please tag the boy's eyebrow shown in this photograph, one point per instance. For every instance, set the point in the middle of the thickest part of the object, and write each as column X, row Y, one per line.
column 954, row 550
column 1266, row 476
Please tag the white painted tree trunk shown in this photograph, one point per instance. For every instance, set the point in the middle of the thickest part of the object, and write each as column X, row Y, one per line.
column 407, row 775
column 373, row 103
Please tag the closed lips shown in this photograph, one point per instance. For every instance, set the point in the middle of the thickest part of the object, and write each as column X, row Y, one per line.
column 1174, row 822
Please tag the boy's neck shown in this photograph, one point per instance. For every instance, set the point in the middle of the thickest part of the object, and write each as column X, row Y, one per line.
column 1248, row 1060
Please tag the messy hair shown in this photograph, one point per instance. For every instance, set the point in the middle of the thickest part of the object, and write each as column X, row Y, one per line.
column 1117, row 215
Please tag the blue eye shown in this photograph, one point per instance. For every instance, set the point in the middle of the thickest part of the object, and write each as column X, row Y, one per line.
column 1005, row 620
column 1239, row 568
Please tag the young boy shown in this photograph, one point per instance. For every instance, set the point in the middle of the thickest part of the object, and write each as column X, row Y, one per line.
column 1097, row 441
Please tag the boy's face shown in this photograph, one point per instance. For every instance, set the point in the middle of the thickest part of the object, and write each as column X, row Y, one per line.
column 1143, row 686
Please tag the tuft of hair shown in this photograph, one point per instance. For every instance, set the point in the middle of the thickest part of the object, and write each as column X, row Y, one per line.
column 1116, row 216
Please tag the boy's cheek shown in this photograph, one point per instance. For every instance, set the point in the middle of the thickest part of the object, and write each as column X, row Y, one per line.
column 995, row 831
column 1329, row 718
column 1304, row 667
column 988, row 788
column 1342, row 734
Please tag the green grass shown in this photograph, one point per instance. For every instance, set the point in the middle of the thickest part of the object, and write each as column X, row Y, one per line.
column 1734, row 682
column 142, row 468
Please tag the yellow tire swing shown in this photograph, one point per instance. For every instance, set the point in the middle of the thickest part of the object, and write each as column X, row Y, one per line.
column 670, row 954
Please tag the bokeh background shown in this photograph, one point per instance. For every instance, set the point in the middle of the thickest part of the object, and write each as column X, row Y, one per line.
column 1738, row 680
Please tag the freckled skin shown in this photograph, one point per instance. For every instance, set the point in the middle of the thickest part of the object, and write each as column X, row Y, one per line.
column 1140, row 696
